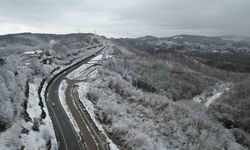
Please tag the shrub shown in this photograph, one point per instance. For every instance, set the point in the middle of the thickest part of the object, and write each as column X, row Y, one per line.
column 142, row 120
column 232, row 109
column 36, row 124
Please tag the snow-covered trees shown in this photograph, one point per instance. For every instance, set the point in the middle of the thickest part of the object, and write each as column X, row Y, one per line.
column 141, row 120
column 134, row 96
column 172, row 79
column 18, row 70
column 12, row 83
column 15, row 67
column 6, row 108
column 36, row 66
column 232, row 109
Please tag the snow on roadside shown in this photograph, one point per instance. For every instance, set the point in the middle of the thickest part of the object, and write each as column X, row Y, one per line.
column 84, row 55
column 62, row 97
column 96, row 59
column 51, row 127
column 76, row 74
column 89, row 106
column 81, row 73
column 207, row 98
column 37, row 139
column 82, row 92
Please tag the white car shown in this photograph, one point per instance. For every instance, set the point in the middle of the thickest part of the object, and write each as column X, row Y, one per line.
column 53, row 104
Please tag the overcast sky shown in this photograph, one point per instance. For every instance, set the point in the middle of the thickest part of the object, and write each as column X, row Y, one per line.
column 127, row 18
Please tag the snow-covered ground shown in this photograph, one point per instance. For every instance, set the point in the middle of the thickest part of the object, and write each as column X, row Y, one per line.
column 85, row 71
column 208, row 98
column 37, row 139
column 78, row 73
column 95, row 59
column 82, row 92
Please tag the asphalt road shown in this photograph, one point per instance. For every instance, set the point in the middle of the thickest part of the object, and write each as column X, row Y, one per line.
column 65, row 133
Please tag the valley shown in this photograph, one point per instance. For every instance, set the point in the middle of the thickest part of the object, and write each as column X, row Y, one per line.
column 180, row 92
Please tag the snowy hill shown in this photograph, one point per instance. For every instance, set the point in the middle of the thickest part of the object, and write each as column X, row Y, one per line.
column 148, row 93
column 187, row 43
column 27, row 60
column 221, row 52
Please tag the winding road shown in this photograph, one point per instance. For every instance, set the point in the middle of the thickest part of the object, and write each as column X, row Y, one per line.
column 66, row 136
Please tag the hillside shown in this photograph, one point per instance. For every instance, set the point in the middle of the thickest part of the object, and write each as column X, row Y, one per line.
column 181, row 92
column 218, row 59
column 226, row 53
column 146, row 101
column 26, row 62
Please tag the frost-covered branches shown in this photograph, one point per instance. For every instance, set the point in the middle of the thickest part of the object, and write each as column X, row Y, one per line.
column 141, row 120
column 134, row 96
column 12, row 83
column 171, row 79
column 232, row 109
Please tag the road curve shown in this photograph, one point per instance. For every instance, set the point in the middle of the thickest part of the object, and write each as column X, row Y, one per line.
column 65, row 133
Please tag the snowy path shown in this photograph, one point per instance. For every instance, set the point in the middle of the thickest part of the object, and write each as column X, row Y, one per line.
column 208, row 97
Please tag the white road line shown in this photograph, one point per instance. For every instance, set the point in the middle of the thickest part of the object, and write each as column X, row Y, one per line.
column 59, row 128
column 81, row 113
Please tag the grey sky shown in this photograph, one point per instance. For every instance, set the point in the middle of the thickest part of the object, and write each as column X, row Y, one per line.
column 129, row 18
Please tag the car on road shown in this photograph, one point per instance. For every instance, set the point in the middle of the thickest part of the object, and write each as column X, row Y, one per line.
column 79, row 136
column 53, row 104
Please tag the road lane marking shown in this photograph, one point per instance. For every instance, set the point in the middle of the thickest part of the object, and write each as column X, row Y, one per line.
column 53, row 111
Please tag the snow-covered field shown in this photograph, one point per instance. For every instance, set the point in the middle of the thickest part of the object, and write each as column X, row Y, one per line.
column 31, row 139
column 37, row 139
column 86, row 70
column 78, row 73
